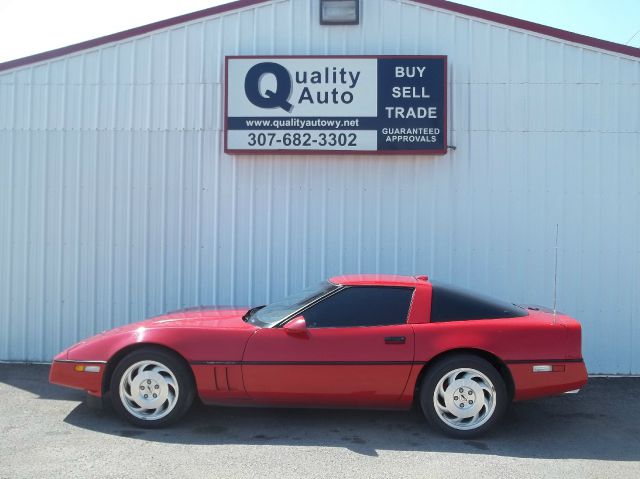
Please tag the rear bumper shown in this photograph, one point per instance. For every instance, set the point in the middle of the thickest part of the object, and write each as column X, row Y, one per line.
column 66, row 373
column 565, row 376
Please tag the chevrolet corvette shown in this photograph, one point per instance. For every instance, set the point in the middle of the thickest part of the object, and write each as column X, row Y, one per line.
column 359, row 341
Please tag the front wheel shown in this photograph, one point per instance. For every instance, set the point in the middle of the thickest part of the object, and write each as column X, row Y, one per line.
column 463, row 396
column 151, row 388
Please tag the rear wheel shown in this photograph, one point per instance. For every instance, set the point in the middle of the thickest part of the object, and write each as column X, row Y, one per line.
column 463, row 396
column 152, row 388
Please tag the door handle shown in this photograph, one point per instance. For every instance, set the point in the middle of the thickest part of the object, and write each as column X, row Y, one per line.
column 395, row 340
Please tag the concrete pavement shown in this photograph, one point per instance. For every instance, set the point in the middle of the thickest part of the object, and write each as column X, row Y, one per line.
column 47, row 431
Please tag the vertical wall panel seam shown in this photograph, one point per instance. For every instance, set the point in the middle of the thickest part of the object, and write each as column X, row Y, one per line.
column 112, row 190
column 61, row 234
column 45, row 231
column 635, row 305
column 377, row 212
column 27, row 220
column 95, row 212
column 269, row 232
column 200, row 159
column 342, row 225
column 250, row 219
column 182, row 227
column 147, row 185
column 396, row 217
column 305, row 225
column 580, row 275
column 165, row 179
column 216, row 209
column 417, row 230
column 360, row 220
column 234, row 196
column 10, row 324
column 600, row 187
column 324, row 224
column 77, row 231
column 129, row 193
column 287, row 228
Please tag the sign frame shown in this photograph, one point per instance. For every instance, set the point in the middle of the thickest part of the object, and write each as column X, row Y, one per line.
column 377, row 152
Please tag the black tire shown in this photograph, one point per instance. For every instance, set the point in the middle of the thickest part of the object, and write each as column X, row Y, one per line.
column 184, row 393
column 438, row 418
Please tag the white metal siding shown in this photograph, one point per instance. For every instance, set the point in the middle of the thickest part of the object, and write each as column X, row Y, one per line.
column 117, row 201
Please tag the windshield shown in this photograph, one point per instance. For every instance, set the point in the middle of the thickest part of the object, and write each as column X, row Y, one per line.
column 273, row 313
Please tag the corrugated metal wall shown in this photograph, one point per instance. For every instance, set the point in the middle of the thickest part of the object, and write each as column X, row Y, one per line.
column 117, row 201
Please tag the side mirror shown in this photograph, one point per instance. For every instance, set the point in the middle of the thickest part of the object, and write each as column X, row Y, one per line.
column 296, row 326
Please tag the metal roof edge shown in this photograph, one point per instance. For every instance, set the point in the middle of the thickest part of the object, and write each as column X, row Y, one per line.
column 238, row 4
column 532, row 27
column 126, row 34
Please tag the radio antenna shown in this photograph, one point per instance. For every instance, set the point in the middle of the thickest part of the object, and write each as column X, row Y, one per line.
column 555, row 278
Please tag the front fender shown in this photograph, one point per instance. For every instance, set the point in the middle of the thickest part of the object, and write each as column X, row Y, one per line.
column 192, row 343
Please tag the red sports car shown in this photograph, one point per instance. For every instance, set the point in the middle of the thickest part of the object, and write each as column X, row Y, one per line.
column 362, row 341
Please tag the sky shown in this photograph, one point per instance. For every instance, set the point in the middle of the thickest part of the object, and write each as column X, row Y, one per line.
column 33, row 26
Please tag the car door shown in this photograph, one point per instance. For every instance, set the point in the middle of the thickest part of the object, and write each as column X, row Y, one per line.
column 357, row 350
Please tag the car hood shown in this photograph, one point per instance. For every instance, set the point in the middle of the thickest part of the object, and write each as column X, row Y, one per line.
column 209, row 317
column 202, row 316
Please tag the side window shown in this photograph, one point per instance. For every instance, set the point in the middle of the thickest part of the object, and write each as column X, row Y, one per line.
column 361, row 306
column 449, row 303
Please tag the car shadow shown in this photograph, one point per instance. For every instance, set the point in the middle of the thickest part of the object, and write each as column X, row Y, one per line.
column 547, row 429
column 599, row 423
column 35, row 379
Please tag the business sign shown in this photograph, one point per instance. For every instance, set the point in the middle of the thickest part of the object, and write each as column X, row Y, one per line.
column 336, row 104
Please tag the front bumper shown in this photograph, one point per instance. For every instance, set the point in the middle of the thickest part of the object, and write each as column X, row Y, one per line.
column 85, row 375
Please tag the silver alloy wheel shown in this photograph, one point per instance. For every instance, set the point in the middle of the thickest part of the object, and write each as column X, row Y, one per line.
column 149, row 390
column 464, row 399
